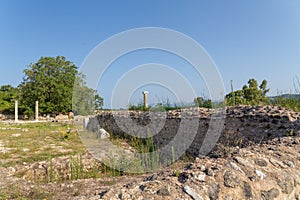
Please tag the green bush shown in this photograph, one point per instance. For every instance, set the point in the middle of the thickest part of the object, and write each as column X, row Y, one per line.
column 250, row 94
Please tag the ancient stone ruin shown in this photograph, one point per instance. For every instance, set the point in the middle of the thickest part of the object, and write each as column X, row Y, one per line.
column 243, row 125
column 257, row 157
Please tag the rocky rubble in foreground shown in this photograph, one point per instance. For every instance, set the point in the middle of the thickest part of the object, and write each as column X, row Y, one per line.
column 266, row 171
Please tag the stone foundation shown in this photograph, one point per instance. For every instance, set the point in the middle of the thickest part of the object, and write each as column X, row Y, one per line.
column 243, row 125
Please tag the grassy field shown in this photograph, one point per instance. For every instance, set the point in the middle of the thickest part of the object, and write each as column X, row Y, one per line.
column 33, row 142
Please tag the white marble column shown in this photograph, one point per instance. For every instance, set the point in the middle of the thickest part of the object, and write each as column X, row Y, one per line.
column 16, row 111
column 145, row 93
column 36, row 111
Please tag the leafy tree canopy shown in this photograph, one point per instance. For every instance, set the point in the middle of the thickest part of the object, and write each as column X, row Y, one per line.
column 85, row 100
column 8, row 95
column 204, row 103
column 251, row 94
column 51, row 81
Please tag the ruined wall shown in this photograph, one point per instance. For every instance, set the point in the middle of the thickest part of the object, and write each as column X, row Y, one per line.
column 243, row 125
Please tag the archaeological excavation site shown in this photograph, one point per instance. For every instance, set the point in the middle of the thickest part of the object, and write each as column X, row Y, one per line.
column 256, row 155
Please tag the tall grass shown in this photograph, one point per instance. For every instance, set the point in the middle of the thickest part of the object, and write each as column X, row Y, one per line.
column 76, row 167
column 146, row 157
column 291, row 103
column 51, row 170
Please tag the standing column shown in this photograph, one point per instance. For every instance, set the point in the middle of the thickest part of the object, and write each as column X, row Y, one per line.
column 145, row 93
column 16, row 111
column 36, row 111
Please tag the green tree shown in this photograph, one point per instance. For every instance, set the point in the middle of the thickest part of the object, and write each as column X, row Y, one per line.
column 85, row 100
column 250, row 94
column 252, row 83
column 207, row 104
column 8, row 95
column 236, row 98
column 263, row 88
column 198, row 101
column 203, row 103
column 50, row 81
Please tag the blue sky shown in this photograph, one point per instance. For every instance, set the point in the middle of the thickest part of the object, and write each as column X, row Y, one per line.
column 246, row 39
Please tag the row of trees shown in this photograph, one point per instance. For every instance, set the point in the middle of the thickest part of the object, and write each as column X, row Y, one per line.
column 60, row 88
column 254, row 94
column 250, row 94
column 51, row 81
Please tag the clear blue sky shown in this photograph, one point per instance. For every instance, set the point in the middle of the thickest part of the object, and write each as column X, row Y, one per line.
column 246, row 39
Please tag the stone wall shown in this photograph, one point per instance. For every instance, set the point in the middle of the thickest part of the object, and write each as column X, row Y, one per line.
column 264, row 172
column 243, row 125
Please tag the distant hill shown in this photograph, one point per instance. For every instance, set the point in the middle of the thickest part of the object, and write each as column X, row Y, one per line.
column 287, row 96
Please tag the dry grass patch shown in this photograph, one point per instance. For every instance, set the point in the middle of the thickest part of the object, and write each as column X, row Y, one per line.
column 37, row 142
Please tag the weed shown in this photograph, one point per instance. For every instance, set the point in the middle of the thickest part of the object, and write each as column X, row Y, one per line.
column 51, row 169
column 76, row 167
column 291, row 132
column 176, row 173
column 3, row 195
column 173, row 154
